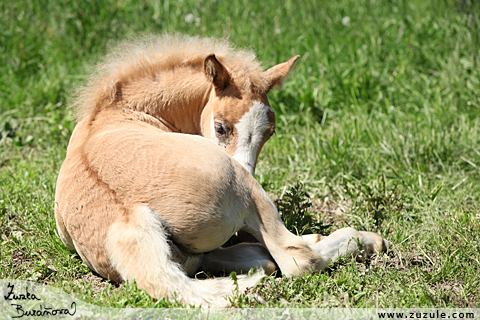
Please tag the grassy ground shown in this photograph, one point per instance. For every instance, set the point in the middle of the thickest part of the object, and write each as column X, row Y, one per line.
column 380, row 121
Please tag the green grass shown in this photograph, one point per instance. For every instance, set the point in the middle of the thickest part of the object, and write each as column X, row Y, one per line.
column 379, row 121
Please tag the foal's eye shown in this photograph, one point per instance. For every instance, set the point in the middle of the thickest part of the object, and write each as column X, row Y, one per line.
column 219, row 128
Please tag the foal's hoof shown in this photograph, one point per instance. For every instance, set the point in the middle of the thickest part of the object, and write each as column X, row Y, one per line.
column 374, row 243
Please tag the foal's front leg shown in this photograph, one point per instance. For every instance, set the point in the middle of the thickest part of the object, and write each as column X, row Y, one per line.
column 346, row 241
column 290, row 252
column 244, row 256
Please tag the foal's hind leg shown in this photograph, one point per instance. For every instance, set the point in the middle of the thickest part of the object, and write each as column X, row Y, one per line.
column 292, row 254
column 343, row 242
column 139, row 248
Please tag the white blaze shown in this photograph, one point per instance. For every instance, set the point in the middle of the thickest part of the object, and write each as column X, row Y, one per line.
column 250, row 130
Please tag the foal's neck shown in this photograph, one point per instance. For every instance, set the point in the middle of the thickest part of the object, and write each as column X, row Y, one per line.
column 176, row 97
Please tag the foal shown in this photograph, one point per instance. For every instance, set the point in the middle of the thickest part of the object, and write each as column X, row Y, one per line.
column 138, row 200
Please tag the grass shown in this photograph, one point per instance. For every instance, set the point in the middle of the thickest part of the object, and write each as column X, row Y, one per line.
column 379, row 121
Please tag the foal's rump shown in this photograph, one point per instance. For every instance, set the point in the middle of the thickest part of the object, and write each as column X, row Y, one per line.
column 114, row 179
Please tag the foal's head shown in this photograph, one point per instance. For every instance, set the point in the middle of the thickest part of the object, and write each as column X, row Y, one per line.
column 240, row 119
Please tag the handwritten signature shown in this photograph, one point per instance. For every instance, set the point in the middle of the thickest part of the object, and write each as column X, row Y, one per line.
column 42, row 311
column 12, row 296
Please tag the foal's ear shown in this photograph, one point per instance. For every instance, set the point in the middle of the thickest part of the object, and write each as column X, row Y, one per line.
column 277, row 74
column 216, row 72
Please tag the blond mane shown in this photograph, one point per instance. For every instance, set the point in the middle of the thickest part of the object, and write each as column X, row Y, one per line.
column 131, row 60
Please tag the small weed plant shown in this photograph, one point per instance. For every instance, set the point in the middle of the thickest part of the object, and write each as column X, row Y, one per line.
column 293, row 207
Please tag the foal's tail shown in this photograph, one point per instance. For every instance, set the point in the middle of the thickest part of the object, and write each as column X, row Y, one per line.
column 138, row 249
